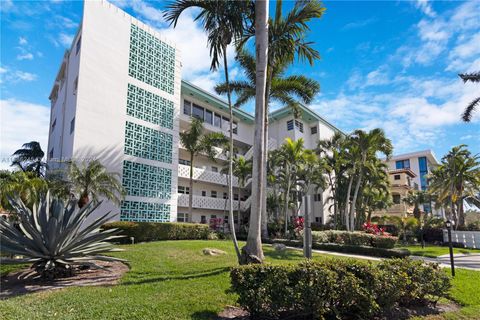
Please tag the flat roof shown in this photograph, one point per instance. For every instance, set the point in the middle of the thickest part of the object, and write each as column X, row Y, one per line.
column 415, row 154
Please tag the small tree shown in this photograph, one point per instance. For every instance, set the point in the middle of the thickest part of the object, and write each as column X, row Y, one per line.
column 30, row 158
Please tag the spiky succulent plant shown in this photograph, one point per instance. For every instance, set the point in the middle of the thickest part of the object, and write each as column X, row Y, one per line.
column 56, row 237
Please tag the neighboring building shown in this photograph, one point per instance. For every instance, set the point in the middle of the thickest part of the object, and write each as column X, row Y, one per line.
column 118, row 97
column 420, row 163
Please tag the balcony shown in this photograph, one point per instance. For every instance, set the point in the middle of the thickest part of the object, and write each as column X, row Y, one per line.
column 207, row 202
column 272, row 144
column 205, row 175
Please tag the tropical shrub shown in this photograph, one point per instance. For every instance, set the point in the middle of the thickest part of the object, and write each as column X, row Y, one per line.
column 56, row 238
column 354, row 238
column 151, row 231
column 336, row 289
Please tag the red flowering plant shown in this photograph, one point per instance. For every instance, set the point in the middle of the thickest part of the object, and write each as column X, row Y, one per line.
column 298, row 224
column 373, row 228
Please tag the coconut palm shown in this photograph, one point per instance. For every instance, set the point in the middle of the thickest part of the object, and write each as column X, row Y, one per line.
column 91, row 180
column 456, row 178
column 365, row 146
column 472, row 77
column 30, row 158
column 416, row 199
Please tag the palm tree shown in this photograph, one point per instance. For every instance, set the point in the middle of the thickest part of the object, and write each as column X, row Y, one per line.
column 91, row 180
column 252, row 252
column 366, row 146
column 26, row 185
column 472, row 77
column 29, row 158
column 457, row 177
column 242, row 169
column 416, row 199
column 223, row 21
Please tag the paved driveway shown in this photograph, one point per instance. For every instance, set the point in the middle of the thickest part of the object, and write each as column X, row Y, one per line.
column 466, row 261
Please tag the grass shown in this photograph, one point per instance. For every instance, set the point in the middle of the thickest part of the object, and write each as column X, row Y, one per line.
column 435, row 251
column 174, row 280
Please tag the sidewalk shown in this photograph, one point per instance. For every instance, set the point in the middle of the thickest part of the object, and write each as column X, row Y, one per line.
column 464, row 261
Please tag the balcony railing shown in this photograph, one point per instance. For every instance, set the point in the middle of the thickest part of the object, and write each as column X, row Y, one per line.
column 207, row 202
column 205, row 175
column 272, row 144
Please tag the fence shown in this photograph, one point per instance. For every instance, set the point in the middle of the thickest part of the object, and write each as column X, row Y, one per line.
column 471, row 239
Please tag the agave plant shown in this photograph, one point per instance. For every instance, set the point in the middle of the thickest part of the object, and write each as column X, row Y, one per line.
column 56, row 237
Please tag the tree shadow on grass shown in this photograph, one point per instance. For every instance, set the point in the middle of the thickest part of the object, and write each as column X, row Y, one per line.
column 201, row 274
column 283, row 255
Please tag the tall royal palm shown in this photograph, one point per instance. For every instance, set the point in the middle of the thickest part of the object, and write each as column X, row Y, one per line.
column 30, row 158
column 472, row 77
column 366, row 146
column 286, row 42
column 223, row 21
column 91, row 180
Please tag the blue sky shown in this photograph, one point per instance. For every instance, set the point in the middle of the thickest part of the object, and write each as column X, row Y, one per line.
column 387, row 64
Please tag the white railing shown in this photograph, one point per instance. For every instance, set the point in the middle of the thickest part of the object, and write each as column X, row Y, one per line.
column 205, row 175
column 244, row 205
column 207, row 202
column 471, row 239
column 272, row 144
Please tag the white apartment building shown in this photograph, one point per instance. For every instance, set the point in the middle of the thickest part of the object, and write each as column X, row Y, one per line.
column 118, row 97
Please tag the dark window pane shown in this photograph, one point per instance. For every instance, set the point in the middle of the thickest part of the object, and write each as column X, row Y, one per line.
column 313, row 130
column 208, row 116
column 290, row 125
column 197, row 112
column 217, row 121
column 187, row 107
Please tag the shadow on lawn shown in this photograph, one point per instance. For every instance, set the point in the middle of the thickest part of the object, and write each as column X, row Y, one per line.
column 201, row 274
column 284, row 255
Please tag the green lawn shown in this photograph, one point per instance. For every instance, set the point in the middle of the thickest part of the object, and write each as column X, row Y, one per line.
column 174, row 280
column 435, row 251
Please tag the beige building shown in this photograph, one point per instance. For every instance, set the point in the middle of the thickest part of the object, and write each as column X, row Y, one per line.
column 402, row 181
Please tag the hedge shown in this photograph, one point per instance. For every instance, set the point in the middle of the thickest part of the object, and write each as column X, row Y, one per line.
column 354, row 238
column 151, row 231
column 353, row 249
column 336, row 289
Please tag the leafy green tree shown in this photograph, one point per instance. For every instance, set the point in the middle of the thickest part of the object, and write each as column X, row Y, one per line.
column 416, row 199
column 25, row 185
column 472, row 77
column 30, row 158
column 223, row 21
column 91, row 180
column 242, row 169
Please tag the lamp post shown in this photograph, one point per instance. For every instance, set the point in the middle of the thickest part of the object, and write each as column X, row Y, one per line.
column 307, row 230
column 449, row 224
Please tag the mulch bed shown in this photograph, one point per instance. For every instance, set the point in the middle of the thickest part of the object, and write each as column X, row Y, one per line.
column 13, row 285
column 236, row 313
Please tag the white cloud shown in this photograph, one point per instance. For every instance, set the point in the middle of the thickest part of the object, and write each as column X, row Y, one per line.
column 65, row 39
column 358, row 24
column 21, row 122
column 25, row 56
column 426, row 7
column 22, row 41
column 15, row 76
column 25, row 76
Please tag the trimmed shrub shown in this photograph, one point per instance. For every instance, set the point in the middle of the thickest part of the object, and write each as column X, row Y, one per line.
column 343, row 289
column 354, row 238
column 151, row 231
column 433, row 234
column 353, row 249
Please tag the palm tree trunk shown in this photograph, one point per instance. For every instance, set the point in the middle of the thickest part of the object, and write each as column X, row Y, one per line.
column 264, row 204
column 239, row 214
column 190, row 194
column 354, row 201
column 252, row 252
column 347, row 201
column 287, row 195
column 84, row 199
column 231, row 221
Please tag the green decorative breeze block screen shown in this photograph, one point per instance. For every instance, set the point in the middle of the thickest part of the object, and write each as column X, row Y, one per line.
column 151, row 60
column 147, row 143
column 142, row 180
column 144, row 105
column 144, row 212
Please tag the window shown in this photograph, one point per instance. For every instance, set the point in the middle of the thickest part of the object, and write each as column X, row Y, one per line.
column 183, row 190
column 213, row 216
column 313, row 130
column 54, row 124
column 208, row 116
column 396, row 177
column 187, row 107
column 235, row 127
column 225, row 195
column 184, row 162
column 317, row 197
column 79, row 43
column 235, row 196
column 213, row 194
column 204, row 193
column 197, row 112
column 422, row 165
column 290, row 125
column 217, row 121
column 72, row 125
column 182, row 217
column 396, row 198
column 225, row 123
column 299, row 125
column 403, row 164
column 214, row 169
column 318, row 219
column 75, row 86
column 50, row 154
column 203, row 219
